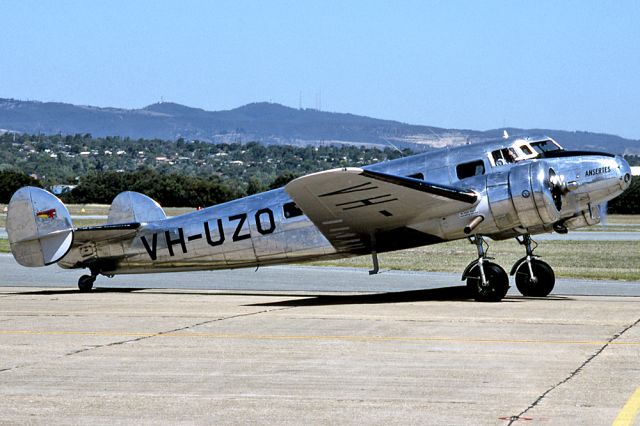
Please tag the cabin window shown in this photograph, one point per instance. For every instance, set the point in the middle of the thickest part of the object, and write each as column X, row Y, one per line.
column 503, row 156
column 474, row 168
column 417, row 176
column 291, row 210
column 526, row 150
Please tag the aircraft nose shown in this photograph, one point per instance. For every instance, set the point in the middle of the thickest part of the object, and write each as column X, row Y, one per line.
column 624, row 171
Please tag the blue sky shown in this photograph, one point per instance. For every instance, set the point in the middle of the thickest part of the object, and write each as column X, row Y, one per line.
column 571, row 65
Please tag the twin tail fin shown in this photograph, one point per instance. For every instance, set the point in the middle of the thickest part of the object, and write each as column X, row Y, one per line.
column 39, row 227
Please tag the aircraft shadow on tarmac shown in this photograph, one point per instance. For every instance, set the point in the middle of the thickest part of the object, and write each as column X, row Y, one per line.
column 439, row 294
column 455, row 293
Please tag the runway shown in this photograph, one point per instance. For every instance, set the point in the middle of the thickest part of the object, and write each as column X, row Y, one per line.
column 323, row 345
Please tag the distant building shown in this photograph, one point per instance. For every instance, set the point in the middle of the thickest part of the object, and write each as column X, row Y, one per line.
column 62, row 189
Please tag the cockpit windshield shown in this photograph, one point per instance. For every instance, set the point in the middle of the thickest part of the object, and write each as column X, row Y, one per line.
column 544, row 146
column 523, row 149
column 527, row 150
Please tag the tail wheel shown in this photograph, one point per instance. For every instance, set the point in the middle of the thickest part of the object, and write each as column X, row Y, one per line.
column 538, row 285
column 85, row 283
column 497, row 283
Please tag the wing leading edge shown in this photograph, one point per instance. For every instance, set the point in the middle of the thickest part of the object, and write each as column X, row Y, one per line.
column 451, row 193
column 359, row 210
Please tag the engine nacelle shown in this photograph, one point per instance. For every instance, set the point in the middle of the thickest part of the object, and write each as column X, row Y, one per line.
column 525, row 196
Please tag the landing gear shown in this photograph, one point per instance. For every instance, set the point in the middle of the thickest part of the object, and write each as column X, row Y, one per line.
column 534, row 278
column 486, row 281
column 85, row 283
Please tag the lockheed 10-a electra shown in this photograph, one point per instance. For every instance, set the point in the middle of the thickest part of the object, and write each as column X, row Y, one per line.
column 506, row 188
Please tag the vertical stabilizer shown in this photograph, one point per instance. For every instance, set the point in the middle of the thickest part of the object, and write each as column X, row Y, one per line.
column 39, row 227
column 132, row 206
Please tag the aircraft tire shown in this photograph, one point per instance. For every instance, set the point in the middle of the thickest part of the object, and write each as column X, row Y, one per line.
column 546, row 279
column 497, row 280
column 85, row 283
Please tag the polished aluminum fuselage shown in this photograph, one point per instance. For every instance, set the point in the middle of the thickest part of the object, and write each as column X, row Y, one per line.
column 254, row 231
column 250, row 231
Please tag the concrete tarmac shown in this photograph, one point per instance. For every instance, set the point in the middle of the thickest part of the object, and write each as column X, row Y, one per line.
column 304, row 356
column 210, row 357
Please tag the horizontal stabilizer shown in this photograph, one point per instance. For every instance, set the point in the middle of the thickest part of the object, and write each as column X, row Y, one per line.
column 112, row 232
column 39, row 227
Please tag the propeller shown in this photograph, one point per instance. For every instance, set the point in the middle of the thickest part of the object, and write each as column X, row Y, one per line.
column 603, row 213
column 558, row 187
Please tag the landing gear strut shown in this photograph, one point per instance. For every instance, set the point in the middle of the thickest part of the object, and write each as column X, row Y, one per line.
column 85, row 282
column 534, row 278
column 486, row 281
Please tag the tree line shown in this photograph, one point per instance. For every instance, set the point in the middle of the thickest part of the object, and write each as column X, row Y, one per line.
column 170, row 190
column 57, row 159
column 629, row 201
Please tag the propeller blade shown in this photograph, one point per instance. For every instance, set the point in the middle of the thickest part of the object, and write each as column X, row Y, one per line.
column 557, row 187
column 603, row 212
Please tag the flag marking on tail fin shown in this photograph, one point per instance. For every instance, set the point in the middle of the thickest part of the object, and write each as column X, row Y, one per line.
column 47, row 214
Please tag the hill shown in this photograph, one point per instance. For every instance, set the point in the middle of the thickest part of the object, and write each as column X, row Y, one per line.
column 265, row 122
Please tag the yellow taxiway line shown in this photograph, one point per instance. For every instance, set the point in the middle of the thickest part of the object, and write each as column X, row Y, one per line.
column 630, row 410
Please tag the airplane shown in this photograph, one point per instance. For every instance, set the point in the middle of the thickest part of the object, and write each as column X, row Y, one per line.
column 513, row 187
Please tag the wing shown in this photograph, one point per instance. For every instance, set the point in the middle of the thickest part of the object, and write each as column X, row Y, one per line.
column 358, row 209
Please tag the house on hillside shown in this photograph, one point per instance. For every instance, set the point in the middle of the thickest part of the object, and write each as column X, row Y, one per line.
column 62, row 189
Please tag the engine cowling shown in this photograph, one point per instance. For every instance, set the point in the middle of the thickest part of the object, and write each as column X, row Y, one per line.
column 527, row 195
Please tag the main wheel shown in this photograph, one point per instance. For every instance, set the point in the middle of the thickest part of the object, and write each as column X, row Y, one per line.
column 542, row 282
column 85, row 283
column 497, row 283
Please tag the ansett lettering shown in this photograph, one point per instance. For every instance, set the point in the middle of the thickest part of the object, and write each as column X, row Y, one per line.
column 598, row 171
column 214, row 233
